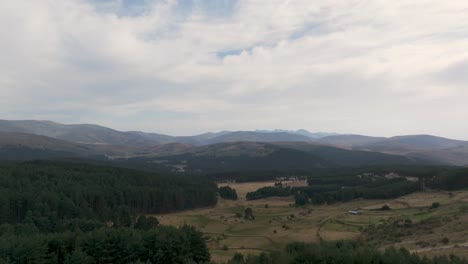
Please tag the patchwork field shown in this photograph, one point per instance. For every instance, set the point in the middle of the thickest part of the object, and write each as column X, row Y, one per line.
column 278, row 222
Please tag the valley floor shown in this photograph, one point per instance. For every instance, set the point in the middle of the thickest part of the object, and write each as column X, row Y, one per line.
column 278, row 222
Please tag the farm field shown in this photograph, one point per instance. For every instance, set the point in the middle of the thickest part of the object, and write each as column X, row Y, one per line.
column 278, row 222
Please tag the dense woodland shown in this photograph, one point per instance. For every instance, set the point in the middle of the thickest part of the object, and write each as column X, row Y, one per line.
column 105, row 245
column 52, row 191
column 64, row 212
column 340, row 252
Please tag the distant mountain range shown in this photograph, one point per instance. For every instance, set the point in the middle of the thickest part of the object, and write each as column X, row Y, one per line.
column 94, row 134
column 437, row 149
column 31, row 139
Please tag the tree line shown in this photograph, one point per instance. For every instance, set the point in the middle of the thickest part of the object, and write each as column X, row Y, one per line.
column 377, row 188
column 345, row 184
column 123, row 245
column 380, row 189
column 269, row 191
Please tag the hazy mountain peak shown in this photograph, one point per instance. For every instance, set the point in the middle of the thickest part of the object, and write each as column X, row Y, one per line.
column 304, row 132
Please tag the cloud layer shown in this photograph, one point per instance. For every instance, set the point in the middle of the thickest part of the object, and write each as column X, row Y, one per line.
column 185, row 67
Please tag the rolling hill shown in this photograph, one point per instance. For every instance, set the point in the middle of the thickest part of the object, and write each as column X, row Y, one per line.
column 92, row 140
column 85, row 133
column 20, row 146
column 348, row 141
column 422, row 142
column 239, row 136
column 303, row 132
column 436, row 149
column 284, row 156
column 94, row 134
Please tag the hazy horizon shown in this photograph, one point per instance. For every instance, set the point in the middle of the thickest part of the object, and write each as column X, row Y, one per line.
column 378, row 68
column 259, row 130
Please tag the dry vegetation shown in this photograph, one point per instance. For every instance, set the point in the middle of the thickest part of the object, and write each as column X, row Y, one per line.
column 282, row 222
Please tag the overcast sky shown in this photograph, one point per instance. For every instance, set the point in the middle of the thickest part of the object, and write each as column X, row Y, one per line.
column 377, row 67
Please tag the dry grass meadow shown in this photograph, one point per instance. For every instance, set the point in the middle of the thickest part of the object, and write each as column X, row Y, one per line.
column 278, row 222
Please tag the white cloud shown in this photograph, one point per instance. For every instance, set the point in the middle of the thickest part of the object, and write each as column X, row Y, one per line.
column 372, row 67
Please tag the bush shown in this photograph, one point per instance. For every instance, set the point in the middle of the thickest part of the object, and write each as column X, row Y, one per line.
column 435, row 205
column 248, row 214
column 301, row 199
column 385, row 208
column 408, row 222
column 238, row 258
column 228, row 193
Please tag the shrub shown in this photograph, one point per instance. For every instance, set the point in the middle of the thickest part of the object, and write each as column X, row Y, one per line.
column 385, row 208
column 248, row 214
column 228, row 193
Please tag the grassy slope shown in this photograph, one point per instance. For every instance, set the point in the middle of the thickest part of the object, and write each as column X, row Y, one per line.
column 314, row 222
